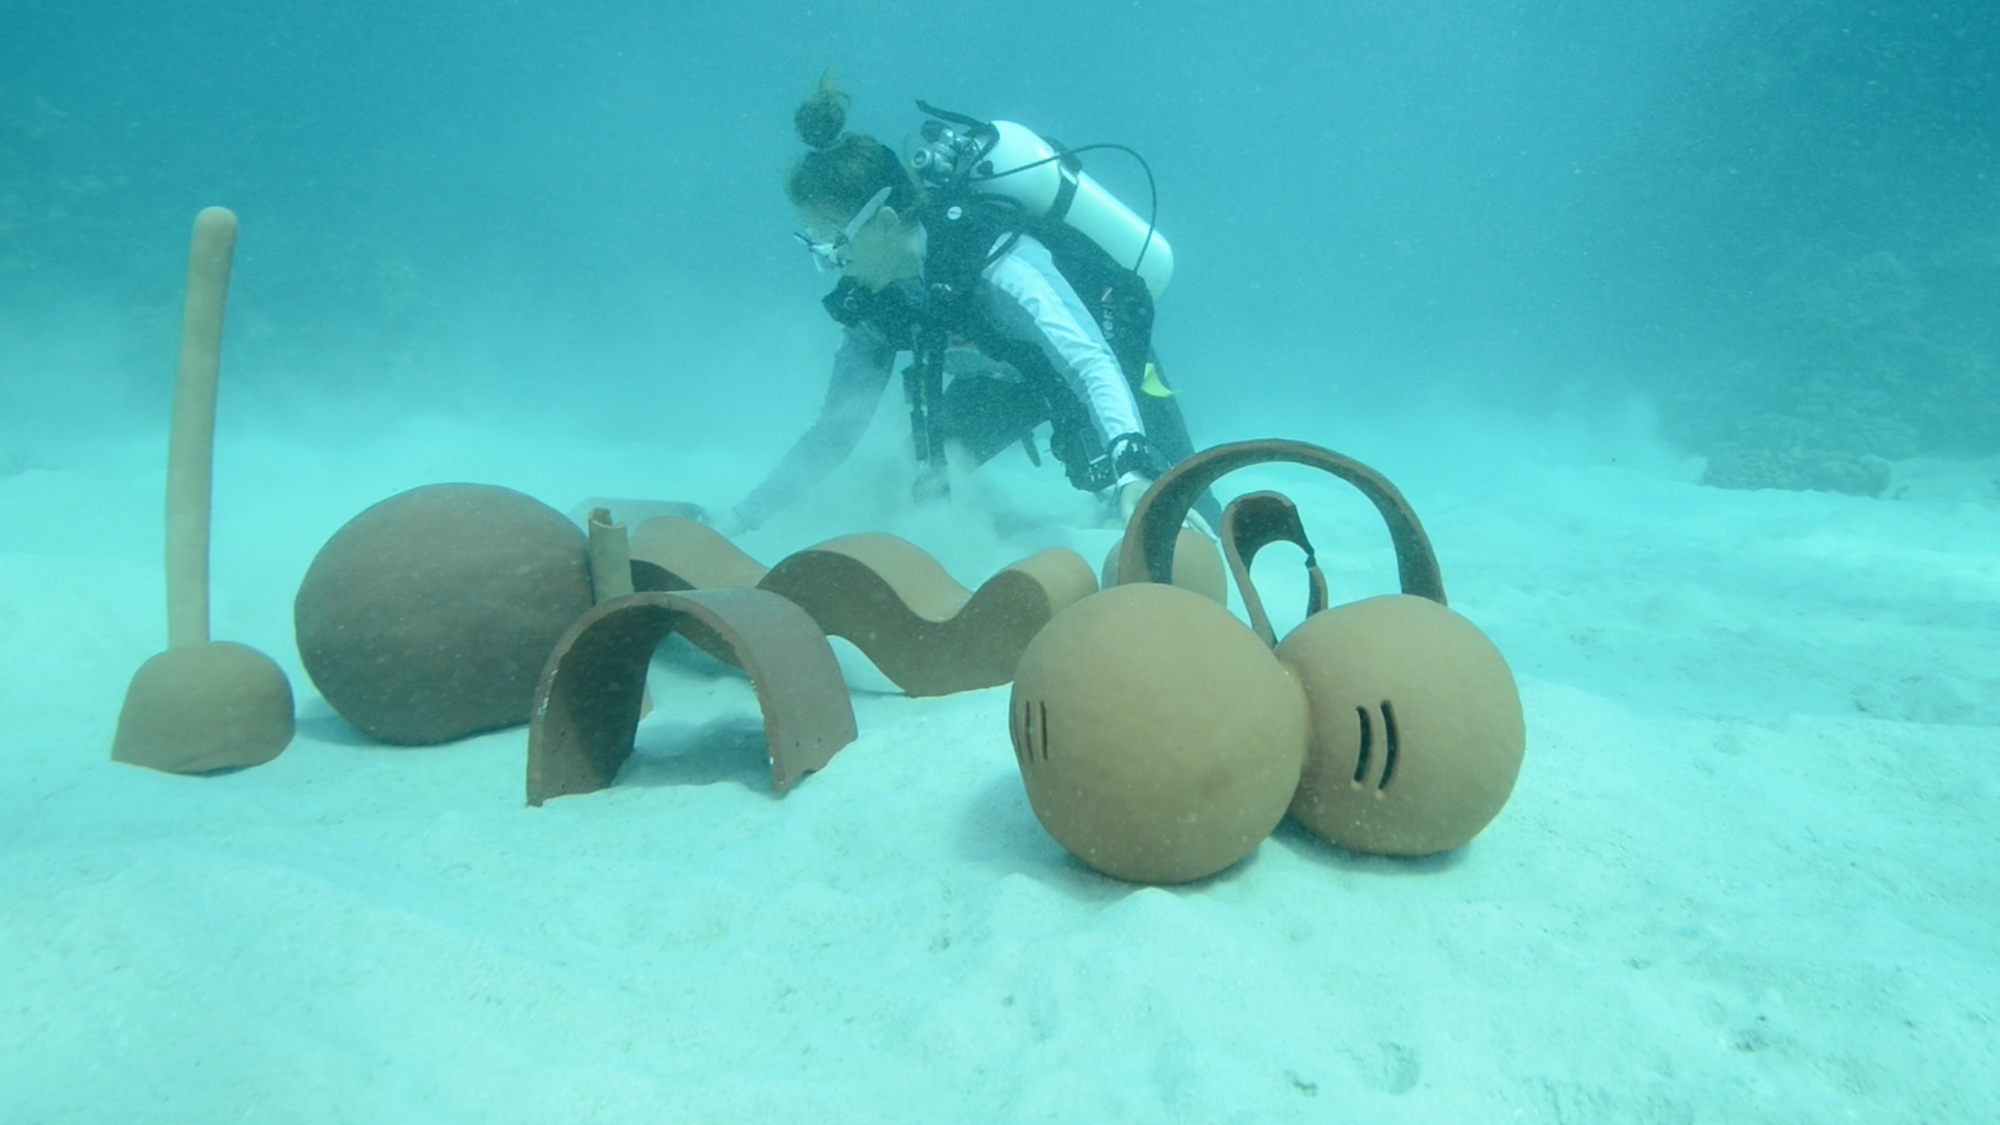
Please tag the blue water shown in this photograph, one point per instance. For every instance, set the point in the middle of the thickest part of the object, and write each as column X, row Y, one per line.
column 1746, row 876
column 1372, row 204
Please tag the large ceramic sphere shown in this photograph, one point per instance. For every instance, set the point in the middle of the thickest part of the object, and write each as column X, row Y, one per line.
column 429, row 616
column 1417, row 734
column 1159, row 739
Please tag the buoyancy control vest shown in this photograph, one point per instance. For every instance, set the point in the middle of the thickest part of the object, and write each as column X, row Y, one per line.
column 1001, row 160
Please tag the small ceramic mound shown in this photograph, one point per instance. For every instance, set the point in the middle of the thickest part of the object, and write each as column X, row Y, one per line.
column 1198, row 566
column 429, row 616
column 204, row 708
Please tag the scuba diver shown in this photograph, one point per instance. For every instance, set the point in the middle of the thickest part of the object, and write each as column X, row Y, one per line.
column 1023, row 291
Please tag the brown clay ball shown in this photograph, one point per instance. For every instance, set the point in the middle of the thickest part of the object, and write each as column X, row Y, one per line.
column 1158, row 738
column 1198, row 566
column 429, row 616
column 1417, row 734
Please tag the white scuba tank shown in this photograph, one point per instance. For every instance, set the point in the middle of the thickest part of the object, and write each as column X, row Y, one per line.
column 1018, row 165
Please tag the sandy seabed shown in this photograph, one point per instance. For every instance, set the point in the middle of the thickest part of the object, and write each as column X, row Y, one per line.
column 1751, row 871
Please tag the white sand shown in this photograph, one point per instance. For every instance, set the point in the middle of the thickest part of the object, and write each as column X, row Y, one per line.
column 1751, row 871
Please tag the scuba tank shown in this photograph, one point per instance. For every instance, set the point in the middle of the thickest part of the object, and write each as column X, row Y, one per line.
column 1003, row 160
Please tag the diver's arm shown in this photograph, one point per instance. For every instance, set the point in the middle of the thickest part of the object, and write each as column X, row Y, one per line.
column 1034, row 300
column 860, row 371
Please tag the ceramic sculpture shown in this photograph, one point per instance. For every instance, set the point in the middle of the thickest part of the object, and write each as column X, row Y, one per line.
column 1413, row 736
column 928, row 634
column 588, row 700
column 611, row 569
column 1417, row 733
column 610, row 558
column 201, row 705
column 1158, row 739
column 429, row 616
column 1255, row 521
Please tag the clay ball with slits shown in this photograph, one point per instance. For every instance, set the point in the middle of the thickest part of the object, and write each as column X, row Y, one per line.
column 1159, row 740
column 1417, row 734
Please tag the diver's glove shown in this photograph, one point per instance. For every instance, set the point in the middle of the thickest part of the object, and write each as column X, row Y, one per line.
column 727, row 522
column 1128, row 501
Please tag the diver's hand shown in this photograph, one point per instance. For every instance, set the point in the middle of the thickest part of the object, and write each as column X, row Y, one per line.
column 1128, row 499
column 727, row 522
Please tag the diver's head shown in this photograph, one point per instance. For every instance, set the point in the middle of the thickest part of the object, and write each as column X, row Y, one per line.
column 856, row 199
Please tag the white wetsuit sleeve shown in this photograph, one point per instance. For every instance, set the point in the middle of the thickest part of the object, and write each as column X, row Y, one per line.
column 1031, row 300
column 860, row 370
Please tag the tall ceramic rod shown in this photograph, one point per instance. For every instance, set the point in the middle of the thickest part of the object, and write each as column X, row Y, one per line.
column 191, row 445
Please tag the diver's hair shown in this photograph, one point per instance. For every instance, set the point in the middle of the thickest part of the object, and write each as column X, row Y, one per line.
column 820, row 118
column 844, row 170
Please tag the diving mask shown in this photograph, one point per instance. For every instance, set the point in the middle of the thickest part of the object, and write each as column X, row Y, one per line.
column 829, row 245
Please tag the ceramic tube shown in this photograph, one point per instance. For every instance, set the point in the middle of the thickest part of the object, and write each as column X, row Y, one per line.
column 191, row 444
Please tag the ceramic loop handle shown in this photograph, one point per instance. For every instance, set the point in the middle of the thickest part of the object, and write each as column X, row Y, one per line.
column 1156, row 522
